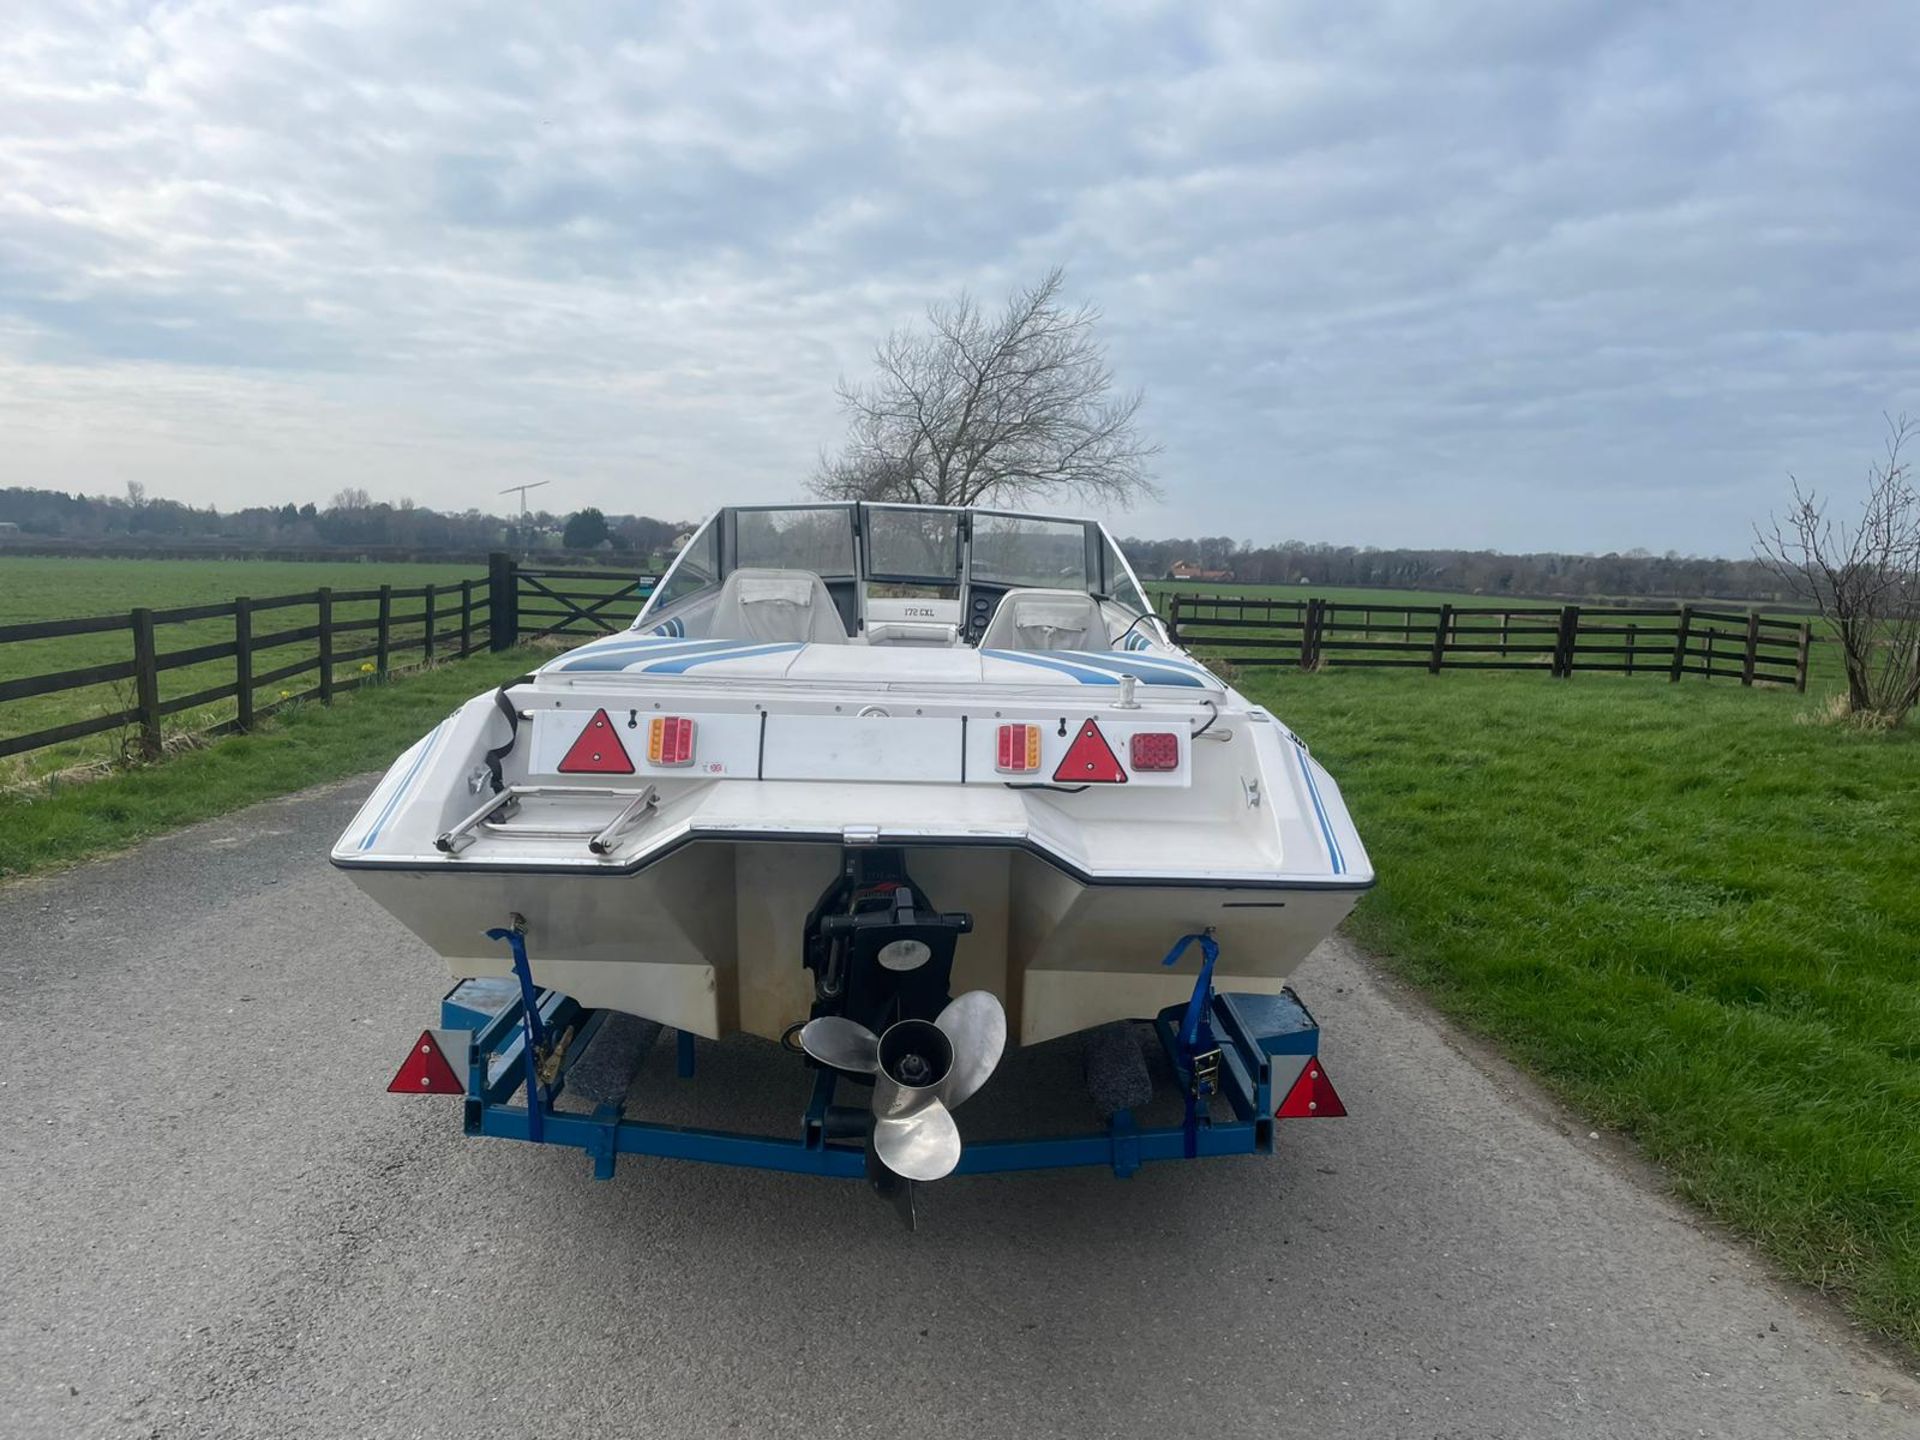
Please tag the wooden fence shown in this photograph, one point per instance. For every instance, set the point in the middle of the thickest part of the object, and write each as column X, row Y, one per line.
column 448, row 621
column 577, row 602
column 286, row 638
column 1671, row 641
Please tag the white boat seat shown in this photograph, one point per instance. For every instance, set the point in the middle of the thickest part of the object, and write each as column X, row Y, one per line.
column 776, row 605
column 1046, row 620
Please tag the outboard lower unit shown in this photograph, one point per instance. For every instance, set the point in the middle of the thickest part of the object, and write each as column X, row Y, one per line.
column 882, row 965
column 878, row 950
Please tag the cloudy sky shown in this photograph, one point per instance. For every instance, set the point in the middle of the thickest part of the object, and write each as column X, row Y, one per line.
column 1583, row 276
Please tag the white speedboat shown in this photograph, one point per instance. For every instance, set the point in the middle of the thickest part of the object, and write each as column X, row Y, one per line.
column 852, row 760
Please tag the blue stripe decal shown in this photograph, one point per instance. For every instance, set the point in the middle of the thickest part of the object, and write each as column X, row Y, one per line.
column 622, row 656
column 1086, row 676
column 1149, row 672
column 637, row 644
column 685, row 662
column 1326, row 827
column 406, row 784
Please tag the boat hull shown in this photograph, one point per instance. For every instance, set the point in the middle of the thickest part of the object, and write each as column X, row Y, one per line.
column 707, row 939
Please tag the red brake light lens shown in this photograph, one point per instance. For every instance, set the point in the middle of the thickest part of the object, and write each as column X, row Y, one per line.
column 1154, row 750
column 670, row 740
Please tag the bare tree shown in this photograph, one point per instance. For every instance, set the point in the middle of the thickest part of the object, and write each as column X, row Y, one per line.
column 1864, row 578
column 1001, row 407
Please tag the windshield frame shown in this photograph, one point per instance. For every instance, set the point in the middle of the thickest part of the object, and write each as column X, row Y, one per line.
column 1106, row 564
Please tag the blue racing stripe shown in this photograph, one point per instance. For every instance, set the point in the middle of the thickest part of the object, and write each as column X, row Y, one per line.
column 619, row 657
column 1149, row 671
column 1319, row 809
column 685, row 662
column 1086, row 675
column 406, row 783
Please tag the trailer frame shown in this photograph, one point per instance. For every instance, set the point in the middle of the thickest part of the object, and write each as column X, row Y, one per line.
column 1267, row 1046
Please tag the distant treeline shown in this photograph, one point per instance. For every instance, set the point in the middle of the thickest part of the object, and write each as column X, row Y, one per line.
column 351, row 520
column 1477, row 572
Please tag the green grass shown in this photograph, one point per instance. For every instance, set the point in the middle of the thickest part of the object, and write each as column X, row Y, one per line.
column 1689, row 911
column 304, row 745
column 36, row 588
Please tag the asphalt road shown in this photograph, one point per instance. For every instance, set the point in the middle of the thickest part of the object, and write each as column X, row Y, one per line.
column 214, row 1221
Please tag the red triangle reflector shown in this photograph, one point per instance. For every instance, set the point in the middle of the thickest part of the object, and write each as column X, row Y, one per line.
column 1090, row 760
column 598, row 751
column 1312, row 1095
column 426, row 1071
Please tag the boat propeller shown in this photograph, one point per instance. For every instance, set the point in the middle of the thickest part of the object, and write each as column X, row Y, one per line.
column 922, row 1070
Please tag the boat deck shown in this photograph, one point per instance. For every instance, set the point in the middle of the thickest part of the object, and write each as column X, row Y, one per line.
column 662, row 656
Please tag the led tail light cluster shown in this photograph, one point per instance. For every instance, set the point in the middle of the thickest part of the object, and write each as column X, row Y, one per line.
column 1154, row 750
column 1018, row 752
column 670, row 740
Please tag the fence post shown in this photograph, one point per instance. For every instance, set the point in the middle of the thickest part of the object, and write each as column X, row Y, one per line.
column 1565, row 640
column 1173, row 619
column 1800, row 667
column 1310, row 635
column 1680, row 642
column 466, row 618
column 503, row 602
column 382, row 640
column 1506, row 617
column 1440, row 622
column 426, row 654
column 1753, row 647
column 324, row 604
column 243, row 663
column 1633, row 638
column 146, row 684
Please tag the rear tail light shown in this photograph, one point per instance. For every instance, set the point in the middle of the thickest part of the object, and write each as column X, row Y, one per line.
column 1019, row 750
column 1154, row 750
column 670, row 740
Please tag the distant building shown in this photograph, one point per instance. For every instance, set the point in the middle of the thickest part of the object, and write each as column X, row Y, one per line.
column 1188, row 570
column 7, row 527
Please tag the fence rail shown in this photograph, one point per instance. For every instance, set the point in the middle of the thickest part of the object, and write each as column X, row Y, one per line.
column 452, row 620
column 1557, row 641
column 565, row 602
column 512, row 603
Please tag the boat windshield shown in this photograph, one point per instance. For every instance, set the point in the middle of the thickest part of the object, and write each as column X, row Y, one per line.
column 896, row 550
column 1023, row 550
column 816, row 538
column 910, row 544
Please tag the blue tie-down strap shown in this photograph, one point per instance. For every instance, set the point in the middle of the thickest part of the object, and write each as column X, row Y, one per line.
column 1196, row 1029
column 536, row 1039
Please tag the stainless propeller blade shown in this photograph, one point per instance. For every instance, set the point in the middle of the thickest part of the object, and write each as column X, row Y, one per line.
column 976, row 1024
column 841, row 1044
column 921, row 1145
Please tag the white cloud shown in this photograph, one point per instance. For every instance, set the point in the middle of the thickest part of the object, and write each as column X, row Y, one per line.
column 1593, row 275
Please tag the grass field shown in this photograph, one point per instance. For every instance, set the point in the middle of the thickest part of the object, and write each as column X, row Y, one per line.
column 1691, row 912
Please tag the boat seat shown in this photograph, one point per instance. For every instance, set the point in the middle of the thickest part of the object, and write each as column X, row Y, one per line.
column 1046, row 620
column 776, row 605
